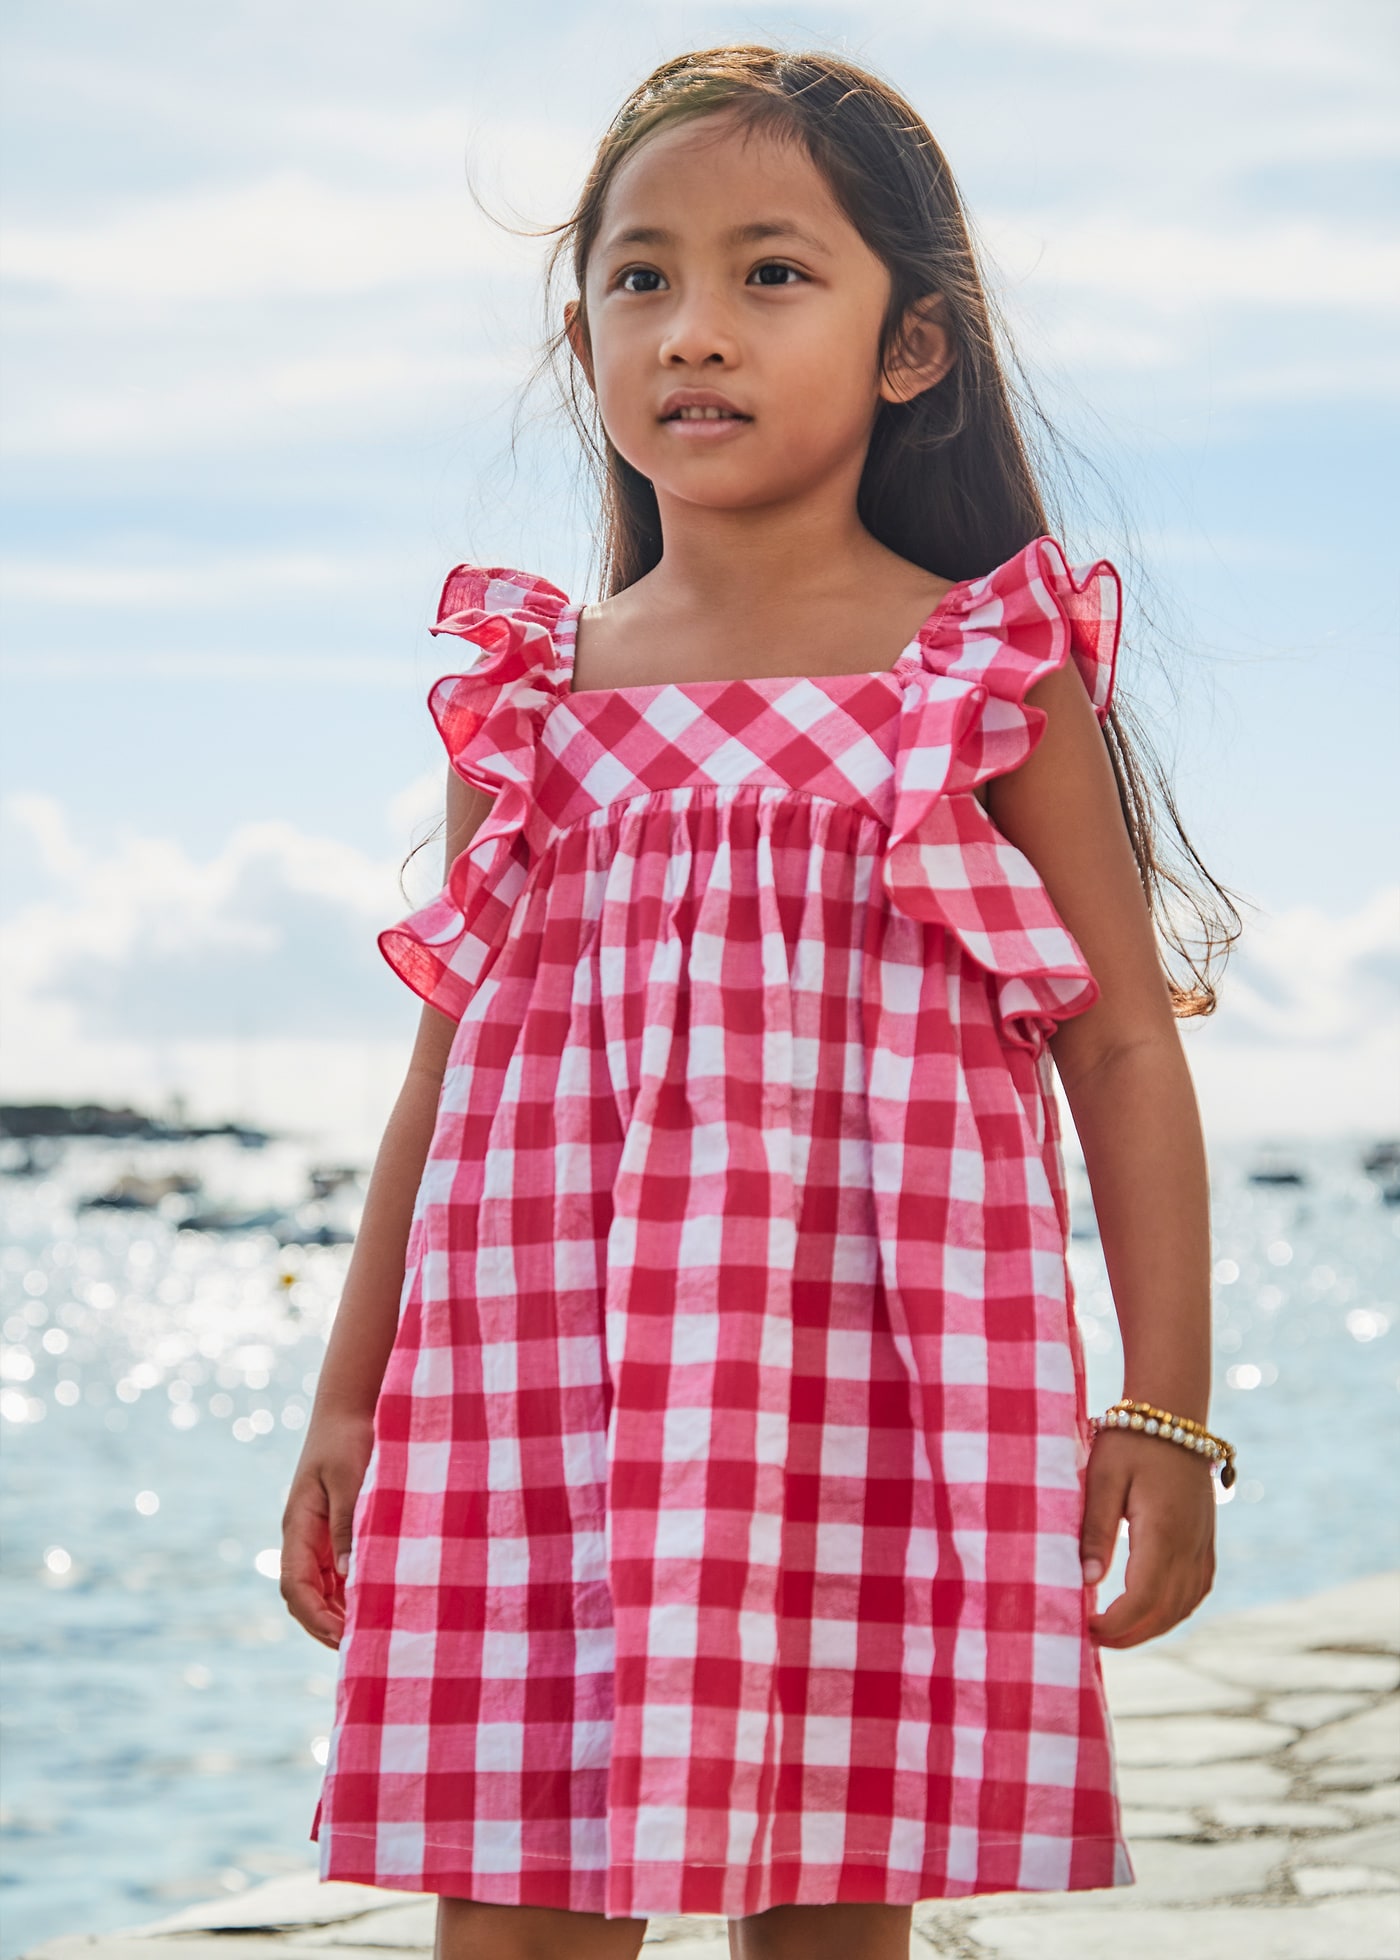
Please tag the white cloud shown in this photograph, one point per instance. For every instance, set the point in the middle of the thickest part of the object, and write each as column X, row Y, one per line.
column 1289, row 36
column 273, row 936
column 197, row 664
column 1191, row 269
column 92, row 582
column 1306, row 1037
column 1305, row 976
column 185, row 399
column 279, row 236
column 418, row 807
column 248, row 982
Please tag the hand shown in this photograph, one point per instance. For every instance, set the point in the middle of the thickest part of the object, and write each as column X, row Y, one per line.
column 1167, row 1495
column 316, row 1522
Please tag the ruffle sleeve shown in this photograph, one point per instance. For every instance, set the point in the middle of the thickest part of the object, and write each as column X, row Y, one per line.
column 965, row 718
column 489, row 719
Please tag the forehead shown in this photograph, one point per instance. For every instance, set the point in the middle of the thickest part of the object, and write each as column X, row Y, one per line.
column 708, row 174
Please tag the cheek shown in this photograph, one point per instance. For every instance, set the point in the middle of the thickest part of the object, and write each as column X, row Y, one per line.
column 823, row 399
column 617, row 368
column 826, row 365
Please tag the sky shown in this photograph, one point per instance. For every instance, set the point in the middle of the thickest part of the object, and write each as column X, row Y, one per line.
column 267, row 375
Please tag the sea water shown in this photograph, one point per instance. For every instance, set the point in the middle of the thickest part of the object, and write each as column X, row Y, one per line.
column 166, row 1720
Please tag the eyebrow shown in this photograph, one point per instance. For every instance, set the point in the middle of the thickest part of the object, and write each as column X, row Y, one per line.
column 750, row 234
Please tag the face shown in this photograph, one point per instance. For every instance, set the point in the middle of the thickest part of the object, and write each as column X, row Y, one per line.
column 734, row 318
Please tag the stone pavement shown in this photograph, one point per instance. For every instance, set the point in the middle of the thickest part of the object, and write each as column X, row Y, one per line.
column 1259, row 1762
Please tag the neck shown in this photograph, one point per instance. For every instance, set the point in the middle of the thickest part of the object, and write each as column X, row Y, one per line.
column 745, row 561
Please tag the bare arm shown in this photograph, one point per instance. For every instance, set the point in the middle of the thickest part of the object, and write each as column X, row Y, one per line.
column 1130, row 1092
column 340, row 1434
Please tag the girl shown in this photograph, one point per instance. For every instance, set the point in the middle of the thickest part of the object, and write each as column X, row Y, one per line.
column 703, row 1423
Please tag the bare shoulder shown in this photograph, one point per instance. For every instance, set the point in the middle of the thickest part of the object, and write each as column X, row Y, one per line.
column 907, row 585
column 616, row 631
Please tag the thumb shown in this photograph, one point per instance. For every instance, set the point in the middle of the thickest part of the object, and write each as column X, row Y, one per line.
column 1105, row 1495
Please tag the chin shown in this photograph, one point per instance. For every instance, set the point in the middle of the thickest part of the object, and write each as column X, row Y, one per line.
column 737, row 494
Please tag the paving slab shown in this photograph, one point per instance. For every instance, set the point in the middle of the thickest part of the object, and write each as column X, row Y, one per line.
column 1319, row 1881
column 1181, row 1741
column 1341, row 1929
column 396, row 1926
column 1160, row 1824
column 1272, row 1670
column 292, row 1899
column 1169, row 1874
column 1154, row 1684
column 1314, row 1711
column 169, row 1946
column 1246, row 1779
column 1289, row 1817
column 1344, row 1779
column 1377, row 1844
column 1372, row 1738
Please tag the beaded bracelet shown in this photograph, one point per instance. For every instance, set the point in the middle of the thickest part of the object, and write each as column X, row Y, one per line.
column 1172, row 1429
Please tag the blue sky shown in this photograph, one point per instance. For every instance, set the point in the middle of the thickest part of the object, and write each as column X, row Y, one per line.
column 262, row 352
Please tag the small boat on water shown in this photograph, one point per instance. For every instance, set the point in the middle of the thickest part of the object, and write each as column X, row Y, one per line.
column 132, row 1192
column 232, row 1218
column 326, row 1179
column 1381, row 1163
column 1273, row 1164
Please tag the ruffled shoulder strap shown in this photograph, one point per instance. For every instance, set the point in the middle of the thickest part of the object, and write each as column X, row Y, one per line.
column 510, row 617
column 489, row 717
column 965, row 717
column 995, row 636
column 498, row 591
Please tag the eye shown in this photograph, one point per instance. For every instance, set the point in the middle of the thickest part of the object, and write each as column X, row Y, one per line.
column 637, row 272
column 776, row 265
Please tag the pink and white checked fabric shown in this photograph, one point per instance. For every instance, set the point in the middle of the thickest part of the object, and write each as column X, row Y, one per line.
column 719, row 1545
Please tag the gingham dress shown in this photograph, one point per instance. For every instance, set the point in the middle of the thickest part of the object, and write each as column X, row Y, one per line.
column 719, row 1544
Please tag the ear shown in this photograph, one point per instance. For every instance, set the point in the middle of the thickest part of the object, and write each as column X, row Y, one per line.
column 576, row 333
column 922, row 354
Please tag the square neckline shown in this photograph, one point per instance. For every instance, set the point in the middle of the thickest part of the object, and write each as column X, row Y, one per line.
column 566, row 640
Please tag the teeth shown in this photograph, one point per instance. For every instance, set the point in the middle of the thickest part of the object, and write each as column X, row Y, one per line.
column 705, row 415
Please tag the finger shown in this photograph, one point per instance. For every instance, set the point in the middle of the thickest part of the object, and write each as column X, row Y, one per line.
column 306, row 1584
column 1105, row 1493
column 1147, row 1586
column 323, row 1619
column 342, row 1516
column 1158, row 1599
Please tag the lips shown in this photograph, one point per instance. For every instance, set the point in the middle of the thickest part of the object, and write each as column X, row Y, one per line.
column 701, row 405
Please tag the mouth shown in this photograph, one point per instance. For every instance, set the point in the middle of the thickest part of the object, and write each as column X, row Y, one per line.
column 706, row 414
column 696, row 409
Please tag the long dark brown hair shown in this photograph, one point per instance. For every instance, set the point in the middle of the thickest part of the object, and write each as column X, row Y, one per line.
column 949, row 482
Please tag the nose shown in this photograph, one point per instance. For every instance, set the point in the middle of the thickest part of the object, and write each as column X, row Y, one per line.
column 698, row 332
